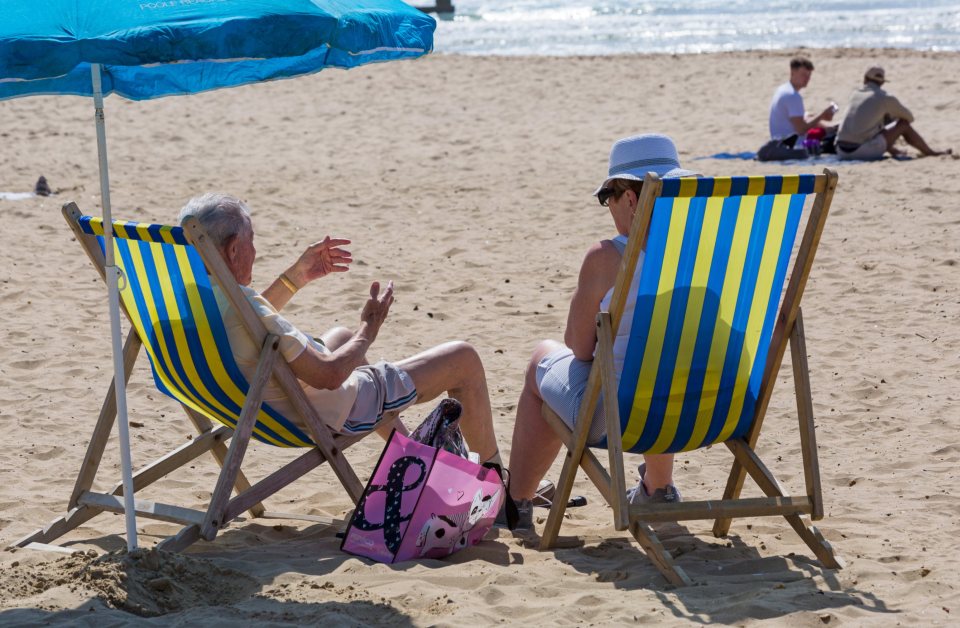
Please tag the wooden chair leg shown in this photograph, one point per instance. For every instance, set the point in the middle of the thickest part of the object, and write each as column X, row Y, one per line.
column 180, row 541
column 241, row 438
column 219, row 452
column 769, row 485
column 576, row 443
column 721, row 527
column 322, row 435
column 104, row 425
column 145, row 476
column 564, row 486
column 608, row 382
column 75, row 518
column 77, row 514
column 815, row 541
column 658, row 554
column 808, row 447
column 808, row 436
column 588, row 462
column 591, row 466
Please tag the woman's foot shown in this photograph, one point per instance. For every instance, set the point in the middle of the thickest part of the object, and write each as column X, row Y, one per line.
column 524, row 516
column 640, row 495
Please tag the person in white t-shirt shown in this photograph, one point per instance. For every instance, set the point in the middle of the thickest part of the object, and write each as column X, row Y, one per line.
column 349, row 394
column 787, row 115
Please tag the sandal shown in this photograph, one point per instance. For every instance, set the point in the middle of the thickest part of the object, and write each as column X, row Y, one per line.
column 545, row 493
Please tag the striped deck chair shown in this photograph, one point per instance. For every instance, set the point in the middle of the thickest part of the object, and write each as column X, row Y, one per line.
column 710, row 328
column 168, row 298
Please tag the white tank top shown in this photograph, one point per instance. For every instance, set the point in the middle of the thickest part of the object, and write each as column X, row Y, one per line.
column 626, row 320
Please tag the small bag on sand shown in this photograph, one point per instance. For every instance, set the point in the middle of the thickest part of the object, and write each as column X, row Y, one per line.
column 424, row 500
column 781, row 150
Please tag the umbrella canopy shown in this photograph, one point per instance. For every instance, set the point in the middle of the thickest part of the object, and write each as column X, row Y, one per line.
column 152, row 49
column 141, row 49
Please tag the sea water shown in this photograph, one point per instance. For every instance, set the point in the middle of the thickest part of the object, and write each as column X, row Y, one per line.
column 584, row 27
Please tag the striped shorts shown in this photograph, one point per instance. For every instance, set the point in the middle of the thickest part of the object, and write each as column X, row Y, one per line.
column 383, row 387
column 562, row 380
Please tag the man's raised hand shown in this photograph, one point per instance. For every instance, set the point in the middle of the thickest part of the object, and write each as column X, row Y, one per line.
column 320, row 259
column 377, row 307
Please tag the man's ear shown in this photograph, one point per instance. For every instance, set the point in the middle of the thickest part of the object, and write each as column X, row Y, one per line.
column 229, row 250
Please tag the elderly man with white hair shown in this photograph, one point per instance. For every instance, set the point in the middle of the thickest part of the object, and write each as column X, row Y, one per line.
column 350, row 395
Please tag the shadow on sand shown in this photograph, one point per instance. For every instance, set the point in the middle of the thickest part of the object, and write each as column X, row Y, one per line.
column 732, row 581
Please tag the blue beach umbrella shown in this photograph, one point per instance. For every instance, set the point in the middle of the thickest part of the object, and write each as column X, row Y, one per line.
column 142, row 49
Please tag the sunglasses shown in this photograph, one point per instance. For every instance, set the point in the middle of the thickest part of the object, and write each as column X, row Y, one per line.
column 604, row 196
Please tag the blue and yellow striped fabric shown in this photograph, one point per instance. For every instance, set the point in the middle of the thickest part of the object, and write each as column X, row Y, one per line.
column 709, row 289
column 170, row 300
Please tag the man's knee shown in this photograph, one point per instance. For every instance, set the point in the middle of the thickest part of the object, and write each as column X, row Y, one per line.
column 341, row 332
column 336, row 337
column 458, row 358
column 901, row 127
column 467, row 354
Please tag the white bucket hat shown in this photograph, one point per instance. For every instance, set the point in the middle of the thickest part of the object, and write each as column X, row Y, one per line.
column 633, row 157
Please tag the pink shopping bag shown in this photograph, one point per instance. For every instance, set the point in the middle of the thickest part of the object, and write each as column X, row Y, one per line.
column 422, row 502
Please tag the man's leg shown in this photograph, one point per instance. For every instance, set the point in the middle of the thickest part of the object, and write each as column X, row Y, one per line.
column 334, row 338
column 905, row 129
column 892, row 133
column 535, row 444
column 455, row 368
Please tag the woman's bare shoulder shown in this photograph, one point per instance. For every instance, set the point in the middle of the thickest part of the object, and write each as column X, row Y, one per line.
column 602, row 259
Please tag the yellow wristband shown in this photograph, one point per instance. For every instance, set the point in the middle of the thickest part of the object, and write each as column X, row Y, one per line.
column 292, row 287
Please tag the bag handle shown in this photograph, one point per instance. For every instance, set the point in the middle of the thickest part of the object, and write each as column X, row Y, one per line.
column 513, row 515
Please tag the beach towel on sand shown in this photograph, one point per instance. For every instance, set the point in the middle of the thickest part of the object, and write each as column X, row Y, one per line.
column 424, row 499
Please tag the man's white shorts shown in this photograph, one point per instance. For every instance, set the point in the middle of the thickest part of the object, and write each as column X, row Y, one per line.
column 872, row 149
column 383, row 387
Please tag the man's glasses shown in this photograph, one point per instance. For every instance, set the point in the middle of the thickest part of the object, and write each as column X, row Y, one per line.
column 604, row 195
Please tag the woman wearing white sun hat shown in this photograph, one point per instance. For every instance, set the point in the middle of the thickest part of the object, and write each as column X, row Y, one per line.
column 557, row 372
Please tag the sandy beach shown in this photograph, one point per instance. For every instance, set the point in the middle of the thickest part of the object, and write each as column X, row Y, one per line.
column 467, row 180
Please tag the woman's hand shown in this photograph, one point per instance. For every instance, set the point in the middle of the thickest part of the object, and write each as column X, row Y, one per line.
column 319, row 260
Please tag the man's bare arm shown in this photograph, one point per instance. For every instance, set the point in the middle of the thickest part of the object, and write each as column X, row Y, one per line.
column 318, row 260
column 331, row 370
column 801, row 125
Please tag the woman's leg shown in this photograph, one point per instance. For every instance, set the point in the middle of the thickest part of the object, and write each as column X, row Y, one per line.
column 659, row 472
column 535, row 444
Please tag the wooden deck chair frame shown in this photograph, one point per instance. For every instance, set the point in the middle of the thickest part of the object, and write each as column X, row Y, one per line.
column 84, row 504
column 636, row 518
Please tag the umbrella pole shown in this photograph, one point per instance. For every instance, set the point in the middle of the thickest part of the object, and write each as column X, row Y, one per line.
column 113, row 299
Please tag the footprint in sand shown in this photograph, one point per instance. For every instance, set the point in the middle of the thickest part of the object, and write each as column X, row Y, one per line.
column 46, row 454
column 28, row 365
column 466, row 287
